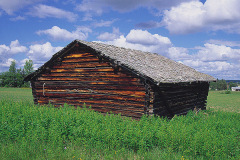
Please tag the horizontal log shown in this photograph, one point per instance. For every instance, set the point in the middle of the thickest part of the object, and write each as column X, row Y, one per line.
column 138, row 105
column 167, row 85
column 81, row 65
column 99, row 106
column 88, row 75
column 74, row 60
column 91, row 96
column 110, row 107
column 93, row 87
column 86, row 83
column 88, row 79
column 175, row 97
column 174, row 88
column 90, row 91
column 83, row 70
column 180, row 103
column 68, row 100
column 186, row 98
column 79, row 55
column 178, row 91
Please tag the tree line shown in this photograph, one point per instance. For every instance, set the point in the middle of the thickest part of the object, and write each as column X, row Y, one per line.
column 222, row 85
column 15, row 77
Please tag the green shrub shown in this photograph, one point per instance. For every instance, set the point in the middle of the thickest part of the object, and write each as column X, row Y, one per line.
column 228, row 92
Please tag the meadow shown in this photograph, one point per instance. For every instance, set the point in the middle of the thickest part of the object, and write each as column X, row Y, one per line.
column 29, row 131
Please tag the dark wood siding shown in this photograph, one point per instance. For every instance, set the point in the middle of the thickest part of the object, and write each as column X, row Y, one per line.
column 81, row 77
column 171, row 99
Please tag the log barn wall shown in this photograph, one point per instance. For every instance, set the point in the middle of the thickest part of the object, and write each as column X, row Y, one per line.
column 176, row 99
column 81, row 77
column 119, row 80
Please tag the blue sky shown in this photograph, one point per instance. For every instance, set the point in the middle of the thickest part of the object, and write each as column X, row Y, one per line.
column 204, row 35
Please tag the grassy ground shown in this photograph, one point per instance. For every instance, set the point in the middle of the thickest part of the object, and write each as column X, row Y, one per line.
column 218, row 100
column 33, row 132
column 16, row 94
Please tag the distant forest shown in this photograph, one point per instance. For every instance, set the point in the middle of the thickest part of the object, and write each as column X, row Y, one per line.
column 224, row 84
column 15, row 77
column 234, row 81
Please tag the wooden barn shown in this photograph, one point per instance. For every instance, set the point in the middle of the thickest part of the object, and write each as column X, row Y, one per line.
column 119, row 80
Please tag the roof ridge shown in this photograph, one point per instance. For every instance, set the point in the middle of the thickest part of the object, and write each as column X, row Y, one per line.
column 152, row 65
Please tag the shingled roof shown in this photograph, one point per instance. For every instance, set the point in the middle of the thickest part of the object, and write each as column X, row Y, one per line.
column 157, row 68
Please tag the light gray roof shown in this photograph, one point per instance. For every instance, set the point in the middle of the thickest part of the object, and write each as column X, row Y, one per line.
column 151, row 65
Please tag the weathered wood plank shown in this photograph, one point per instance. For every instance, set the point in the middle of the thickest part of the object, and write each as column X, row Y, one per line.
column 88, row 79
column 105, row 106
column 91, row 96
column 74, row 60
column 83, row 70
column 90, row 75
column 79, row 55
column 81, row 65
column 93, row 87
column 138, row 105
column 121, row 103
column 87, row 83
column 90, row 91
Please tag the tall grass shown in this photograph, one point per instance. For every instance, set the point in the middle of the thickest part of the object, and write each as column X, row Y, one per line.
column 29, row 131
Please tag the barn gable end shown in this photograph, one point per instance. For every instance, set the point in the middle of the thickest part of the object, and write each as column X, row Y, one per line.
column 80, row 76
column 85, row 72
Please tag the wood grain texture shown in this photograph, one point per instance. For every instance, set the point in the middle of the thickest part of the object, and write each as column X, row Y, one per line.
column 80, row 78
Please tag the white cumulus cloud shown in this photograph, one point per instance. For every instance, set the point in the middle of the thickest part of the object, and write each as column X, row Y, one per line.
column 106, row 36
column 13, row 48
column 45, row 11
column 218, row 60
column 213, row 52
column 11, row 6
column 195, row 16
column 40, row 53
column 187, row 17
column 8, row 51
column 62, row 34
column 143, row 40
column 6, row 63
column 179, row 53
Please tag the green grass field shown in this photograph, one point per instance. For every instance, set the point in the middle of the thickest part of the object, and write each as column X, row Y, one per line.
column 28, row 131
column 217, row 100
